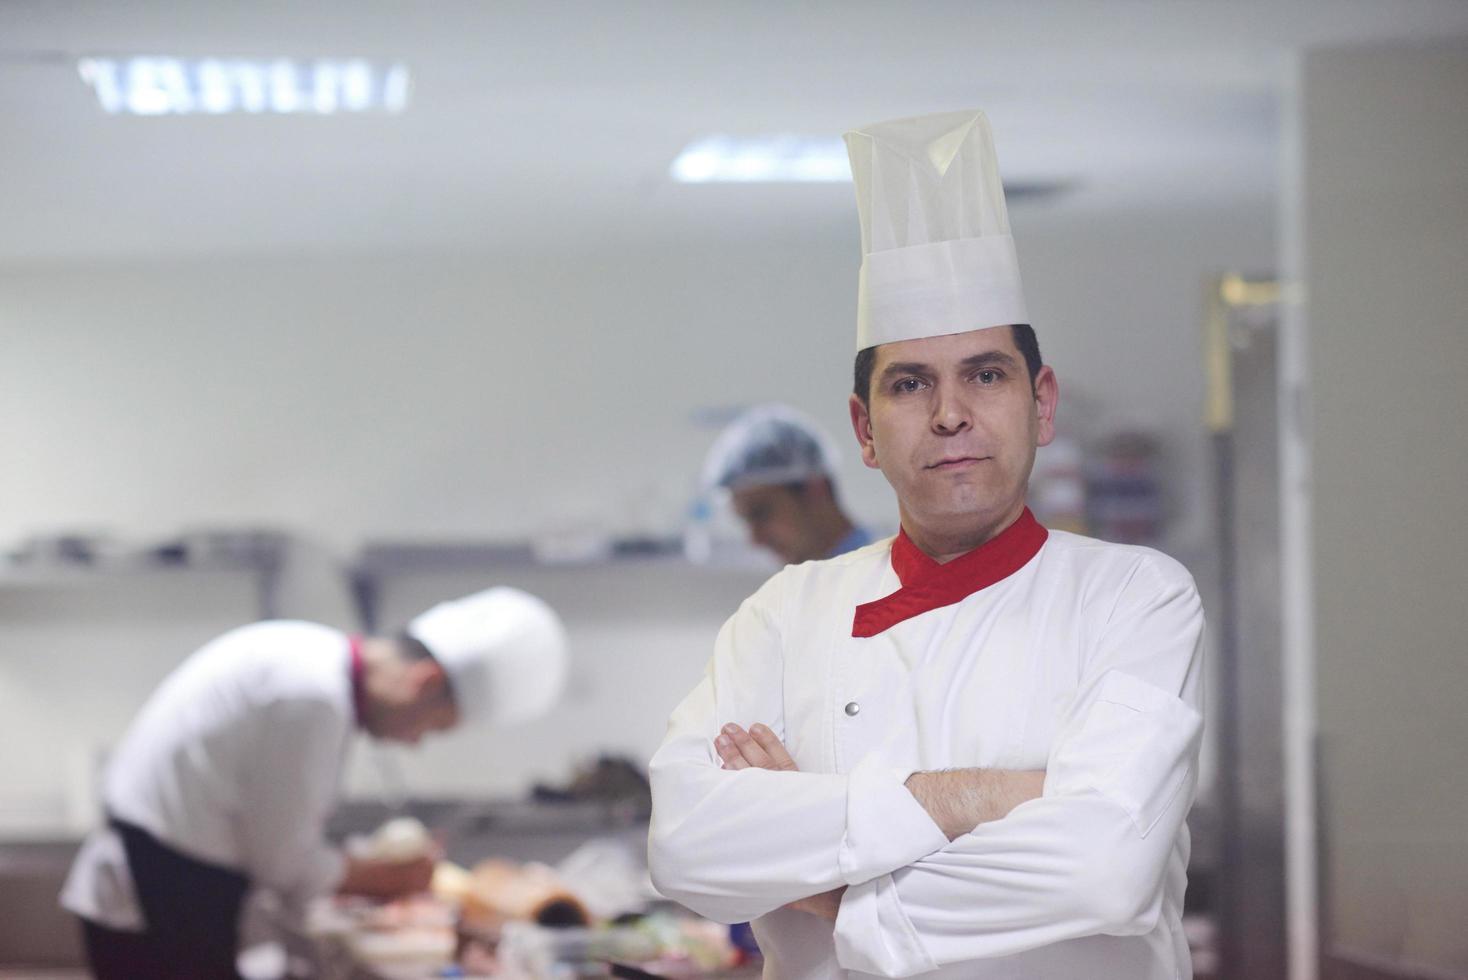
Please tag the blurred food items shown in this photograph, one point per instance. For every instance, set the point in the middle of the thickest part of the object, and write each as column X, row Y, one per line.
column 508, row 919
column 400, row 839
column 451, row 883
column 500, row 891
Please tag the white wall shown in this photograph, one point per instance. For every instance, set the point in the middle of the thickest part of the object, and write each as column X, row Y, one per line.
column 1385, row 238
column 448, row 396
column 407, row 396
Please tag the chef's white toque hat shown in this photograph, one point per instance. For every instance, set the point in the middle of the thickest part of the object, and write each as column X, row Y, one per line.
column 937, row 257
column 504, row 652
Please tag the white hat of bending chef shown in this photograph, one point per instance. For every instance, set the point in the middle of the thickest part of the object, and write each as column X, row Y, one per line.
column 504, row 652
column 937, row 257
column 766, row 446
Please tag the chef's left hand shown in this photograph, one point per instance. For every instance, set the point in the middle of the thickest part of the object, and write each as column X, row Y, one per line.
column 757, row 748
column 825, row 905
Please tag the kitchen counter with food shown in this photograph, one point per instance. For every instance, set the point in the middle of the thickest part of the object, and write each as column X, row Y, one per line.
column 591, row 914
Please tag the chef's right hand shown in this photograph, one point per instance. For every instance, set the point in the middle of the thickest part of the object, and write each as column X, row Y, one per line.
column 758, row 748
column 377, row 878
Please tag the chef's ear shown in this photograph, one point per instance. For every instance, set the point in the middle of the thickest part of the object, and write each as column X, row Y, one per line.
column 1047, row 398
column 861, row 425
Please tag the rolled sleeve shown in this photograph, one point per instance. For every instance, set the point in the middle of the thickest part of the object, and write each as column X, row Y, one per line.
column 886, row 827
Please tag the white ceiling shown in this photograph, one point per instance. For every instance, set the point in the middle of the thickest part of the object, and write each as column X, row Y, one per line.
column 543, row 123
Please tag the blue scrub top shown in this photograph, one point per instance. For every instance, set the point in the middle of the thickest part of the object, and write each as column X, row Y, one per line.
column 857, row 537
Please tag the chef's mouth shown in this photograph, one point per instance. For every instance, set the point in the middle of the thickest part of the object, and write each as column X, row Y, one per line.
column 957, row 462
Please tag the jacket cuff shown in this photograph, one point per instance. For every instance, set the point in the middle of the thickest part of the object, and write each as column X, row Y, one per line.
column 886, row 827
column 874, row 934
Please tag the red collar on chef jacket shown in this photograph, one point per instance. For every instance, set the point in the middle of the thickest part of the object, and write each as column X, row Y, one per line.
column 359, row 681
column 928, row 585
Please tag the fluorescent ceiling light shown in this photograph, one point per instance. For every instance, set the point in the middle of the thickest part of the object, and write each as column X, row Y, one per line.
column 798, row 159
column 154, row 86
column 764, row 159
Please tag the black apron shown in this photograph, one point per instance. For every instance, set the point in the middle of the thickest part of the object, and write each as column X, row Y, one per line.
column 191, row 911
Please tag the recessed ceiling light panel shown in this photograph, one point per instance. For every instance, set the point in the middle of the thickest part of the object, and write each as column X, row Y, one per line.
column 160, row 86
column 764, row 159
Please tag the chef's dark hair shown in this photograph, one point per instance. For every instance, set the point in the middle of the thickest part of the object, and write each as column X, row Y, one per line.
column 411, row 649
column 1024, row 339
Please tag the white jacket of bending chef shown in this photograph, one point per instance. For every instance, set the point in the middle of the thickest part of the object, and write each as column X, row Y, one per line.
column 1085, row 663
column 235, row 760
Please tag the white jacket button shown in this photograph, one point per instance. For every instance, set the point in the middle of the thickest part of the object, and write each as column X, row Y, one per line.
column 852, row 708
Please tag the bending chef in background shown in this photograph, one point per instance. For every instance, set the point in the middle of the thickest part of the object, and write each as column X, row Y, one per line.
column 226, row 778
column 778, row 469
column 969, row 750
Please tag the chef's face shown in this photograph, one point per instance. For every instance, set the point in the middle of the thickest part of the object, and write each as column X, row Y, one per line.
column 779, row 519
column 953, row 423
column 418, row 720
column 420, row 704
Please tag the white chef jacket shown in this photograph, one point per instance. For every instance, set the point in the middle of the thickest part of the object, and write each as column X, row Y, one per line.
column 1085, row 662
column 235, row 760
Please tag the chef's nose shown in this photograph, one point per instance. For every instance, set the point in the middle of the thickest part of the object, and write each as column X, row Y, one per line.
column 950, row 414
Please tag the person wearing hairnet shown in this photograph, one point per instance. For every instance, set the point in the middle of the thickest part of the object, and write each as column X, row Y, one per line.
column 969, row 750
column 778, row 469
column 225, row 779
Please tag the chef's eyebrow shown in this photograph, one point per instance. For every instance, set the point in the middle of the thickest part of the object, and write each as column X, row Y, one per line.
column 897, row 368
column 994, row 358
column 988, row 358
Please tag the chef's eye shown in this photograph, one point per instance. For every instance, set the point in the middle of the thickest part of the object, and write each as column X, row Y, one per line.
column 988, row 376
column 908, row 385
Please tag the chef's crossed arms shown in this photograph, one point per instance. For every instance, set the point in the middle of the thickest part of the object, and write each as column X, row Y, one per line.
column 958, row 800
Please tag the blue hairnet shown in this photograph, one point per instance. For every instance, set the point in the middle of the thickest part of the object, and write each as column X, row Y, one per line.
column 768, row 445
